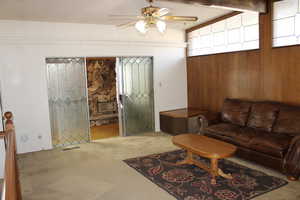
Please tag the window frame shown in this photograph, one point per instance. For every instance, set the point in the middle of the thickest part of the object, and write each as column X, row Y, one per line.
column 211, row 22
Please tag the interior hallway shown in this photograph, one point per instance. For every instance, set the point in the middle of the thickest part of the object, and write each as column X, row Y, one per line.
column 96, row 171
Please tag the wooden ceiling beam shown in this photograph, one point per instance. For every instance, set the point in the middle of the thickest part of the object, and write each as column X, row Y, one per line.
column 234, row 13
column 251, row 5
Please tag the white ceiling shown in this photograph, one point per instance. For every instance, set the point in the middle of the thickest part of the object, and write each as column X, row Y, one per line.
column 96, row 11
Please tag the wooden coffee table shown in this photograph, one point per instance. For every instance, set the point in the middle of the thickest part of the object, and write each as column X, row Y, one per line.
column 205, row 147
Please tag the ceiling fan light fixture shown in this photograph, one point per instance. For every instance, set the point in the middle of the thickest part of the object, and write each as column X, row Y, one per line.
column 161, row 26
column 152, row 16
column 142, row 26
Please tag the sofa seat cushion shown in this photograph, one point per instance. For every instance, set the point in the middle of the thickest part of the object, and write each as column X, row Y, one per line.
column 231, row 133
column 236, row 111
column 288, row 121
column 275, row 144
column 263, row 116
column 246, row 134
column 223, row 129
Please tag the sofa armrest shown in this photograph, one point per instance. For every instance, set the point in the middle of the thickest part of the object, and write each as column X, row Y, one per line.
column 208, row 119
column 291, row 162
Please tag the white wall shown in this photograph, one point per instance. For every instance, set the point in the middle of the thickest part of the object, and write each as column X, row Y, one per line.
column 25, row 45
column 2, row 158
column 2, row 146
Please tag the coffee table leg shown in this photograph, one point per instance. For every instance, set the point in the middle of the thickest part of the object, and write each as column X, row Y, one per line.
column 221, row 173
column 187, row 160
column 214, row 170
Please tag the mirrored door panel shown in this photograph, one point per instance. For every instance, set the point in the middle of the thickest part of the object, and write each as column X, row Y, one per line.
column 136, row 94
column 68, row 101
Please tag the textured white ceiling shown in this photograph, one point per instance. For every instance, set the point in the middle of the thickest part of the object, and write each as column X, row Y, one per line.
column 96, row 11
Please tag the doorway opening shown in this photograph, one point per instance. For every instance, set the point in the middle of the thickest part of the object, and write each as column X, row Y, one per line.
column 99, row 97
column 102, row 97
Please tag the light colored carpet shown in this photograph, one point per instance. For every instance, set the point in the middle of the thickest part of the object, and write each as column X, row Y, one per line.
column 96, row 172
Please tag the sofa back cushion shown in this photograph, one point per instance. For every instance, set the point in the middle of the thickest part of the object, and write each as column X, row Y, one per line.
column 263, row 115
column 236, row 111
column 288, row 120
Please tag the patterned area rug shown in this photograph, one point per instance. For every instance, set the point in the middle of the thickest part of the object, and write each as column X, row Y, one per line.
column 188, row 182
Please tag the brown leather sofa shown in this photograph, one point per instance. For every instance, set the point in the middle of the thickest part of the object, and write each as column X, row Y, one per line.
column 264, row 132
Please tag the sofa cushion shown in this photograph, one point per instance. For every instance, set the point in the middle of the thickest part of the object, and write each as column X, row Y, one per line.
column 225, row 129
column 218, row 132
column 263, row 115
column 231, row 133
column 236, row 111
column 288, row 121
column 246, row 134
column 230, row 140
column 274, row 144
column 271, row 143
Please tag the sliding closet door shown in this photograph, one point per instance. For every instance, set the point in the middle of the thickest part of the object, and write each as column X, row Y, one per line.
column 136, row 94
column 68, row 101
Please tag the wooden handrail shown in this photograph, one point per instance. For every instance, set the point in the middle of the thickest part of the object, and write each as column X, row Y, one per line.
column 2, row 134
column 12, row 189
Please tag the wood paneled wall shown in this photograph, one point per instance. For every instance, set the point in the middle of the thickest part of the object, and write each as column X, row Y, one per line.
column 264, row 74
column 241, row 75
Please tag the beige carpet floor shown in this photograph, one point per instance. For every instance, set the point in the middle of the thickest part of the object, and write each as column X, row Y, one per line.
column 96, row 172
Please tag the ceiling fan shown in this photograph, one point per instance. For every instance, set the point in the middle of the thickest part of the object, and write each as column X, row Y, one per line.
column 154, row 16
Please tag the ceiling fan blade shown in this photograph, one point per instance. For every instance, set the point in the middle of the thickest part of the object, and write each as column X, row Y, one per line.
column 125, row 25
column 126, row 17
column 161, row 12
column 180, row 18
